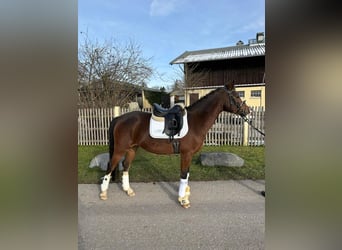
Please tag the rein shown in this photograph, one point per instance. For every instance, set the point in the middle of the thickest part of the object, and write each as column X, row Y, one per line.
column 233, row 102
column 250, row 124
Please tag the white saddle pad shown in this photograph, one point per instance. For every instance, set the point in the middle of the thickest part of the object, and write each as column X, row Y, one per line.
column 157, row 127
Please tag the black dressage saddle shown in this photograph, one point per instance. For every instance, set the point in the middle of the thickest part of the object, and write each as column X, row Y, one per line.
column 173, row 118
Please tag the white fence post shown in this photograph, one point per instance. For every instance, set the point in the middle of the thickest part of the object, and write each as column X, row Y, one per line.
column 117, row 111
column 245, row 133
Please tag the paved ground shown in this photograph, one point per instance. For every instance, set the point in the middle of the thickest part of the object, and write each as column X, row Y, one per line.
column 223, row 215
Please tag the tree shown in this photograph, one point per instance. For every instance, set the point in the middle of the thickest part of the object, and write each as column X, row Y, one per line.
column 111, row 73
column 190, row 76
column 158, row 96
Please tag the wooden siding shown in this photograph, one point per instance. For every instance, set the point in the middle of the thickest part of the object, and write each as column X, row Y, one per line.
column 214, row 73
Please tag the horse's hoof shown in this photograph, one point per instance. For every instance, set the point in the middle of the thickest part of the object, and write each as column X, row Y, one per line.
column 186, row 205
column 184, row 202
column 130, row 192
column 103, row 196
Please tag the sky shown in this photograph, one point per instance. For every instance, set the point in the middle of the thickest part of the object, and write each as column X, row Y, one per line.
column 165, row 29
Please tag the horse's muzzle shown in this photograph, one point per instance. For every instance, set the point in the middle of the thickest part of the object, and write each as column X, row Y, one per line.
column 244, row 110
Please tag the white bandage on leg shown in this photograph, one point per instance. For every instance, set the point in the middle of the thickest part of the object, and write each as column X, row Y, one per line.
column 125, row 181
column 105, row 182
column 183, row 183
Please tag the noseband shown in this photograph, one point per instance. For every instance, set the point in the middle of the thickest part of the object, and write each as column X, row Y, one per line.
column 234, row 102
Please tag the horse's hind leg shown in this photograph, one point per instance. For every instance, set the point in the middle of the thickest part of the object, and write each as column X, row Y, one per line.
column 125, row 175
column 106, row 179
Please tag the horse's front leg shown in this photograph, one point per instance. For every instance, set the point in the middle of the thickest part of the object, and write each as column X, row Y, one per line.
column 125, row 184
column 184, row 188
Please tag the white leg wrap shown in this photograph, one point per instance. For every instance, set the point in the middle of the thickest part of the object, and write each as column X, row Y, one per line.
column 105, row 182
column 125, row 181
column 183, row 183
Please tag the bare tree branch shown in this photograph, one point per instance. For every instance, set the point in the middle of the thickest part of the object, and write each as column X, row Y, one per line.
column 190, row 76
column 110, row 73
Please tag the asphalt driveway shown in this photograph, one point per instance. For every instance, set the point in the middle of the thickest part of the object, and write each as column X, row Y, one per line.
column 223, row 215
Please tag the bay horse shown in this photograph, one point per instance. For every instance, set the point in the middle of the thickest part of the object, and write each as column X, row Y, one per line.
column 131, row 130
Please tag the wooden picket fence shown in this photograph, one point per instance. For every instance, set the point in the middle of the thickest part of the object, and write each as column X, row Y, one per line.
column 229, row 129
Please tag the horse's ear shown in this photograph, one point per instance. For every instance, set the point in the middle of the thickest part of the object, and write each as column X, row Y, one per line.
column 230, row 85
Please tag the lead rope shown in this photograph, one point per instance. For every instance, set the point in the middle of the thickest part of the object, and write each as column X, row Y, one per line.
column 250, row 124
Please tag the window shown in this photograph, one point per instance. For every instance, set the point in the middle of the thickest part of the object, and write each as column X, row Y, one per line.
column 256, row 93
column 241, row 93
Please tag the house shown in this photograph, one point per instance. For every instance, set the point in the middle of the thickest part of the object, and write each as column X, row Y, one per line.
column 243, row 64
column 177, row 95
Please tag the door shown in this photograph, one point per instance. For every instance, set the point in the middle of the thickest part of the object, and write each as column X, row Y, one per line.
column 193, row 98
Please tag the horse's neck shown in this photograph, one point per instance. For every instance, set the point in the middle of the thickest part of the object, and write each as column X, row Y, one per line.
column 207, row 112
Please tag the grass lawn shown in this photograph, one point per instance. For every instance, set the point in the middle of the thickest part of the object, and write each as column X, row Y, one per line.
column 148, row 167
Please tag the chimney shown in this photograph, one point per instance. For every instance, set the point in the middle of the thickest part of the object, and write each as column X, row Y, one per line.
column 239, row 42
column 260, row 37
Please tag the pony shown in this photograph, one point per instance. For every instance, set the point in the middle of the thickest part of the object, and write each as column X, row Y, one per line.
column 130, row 131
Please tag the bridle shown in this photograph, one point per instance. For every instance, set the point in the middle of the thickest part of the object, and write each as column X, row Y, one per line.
column 234, row 102
column 239, row 106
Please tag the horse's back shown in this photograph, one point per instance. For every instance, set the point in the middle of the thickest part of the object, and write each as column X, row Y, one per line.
column 130, row 122
column 133, row 116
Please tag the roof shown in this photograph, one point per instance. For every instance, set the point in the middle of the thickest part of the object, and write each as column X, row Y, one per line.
column 238, row 51
column 177, row 92
column 237, row 85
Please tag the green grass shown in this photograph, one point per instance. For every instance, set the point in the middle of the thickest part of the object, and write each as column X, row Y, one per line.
column 149, row 167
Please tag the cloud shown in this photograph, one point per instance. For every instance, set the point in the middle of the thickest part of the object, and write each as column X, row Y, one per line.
column 163, row 7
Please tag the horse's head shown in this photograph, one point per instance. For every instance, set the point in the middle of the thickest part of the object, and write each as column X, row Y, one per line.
column 233, row 103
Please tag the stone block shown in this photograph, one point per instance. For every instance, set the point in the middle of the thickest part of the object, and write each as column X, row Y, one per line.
column 221, row 159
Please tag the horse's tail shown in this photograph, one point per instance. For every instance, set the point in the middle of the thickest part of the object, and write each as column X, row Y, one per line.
column 111, row 145
column 111, row 138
